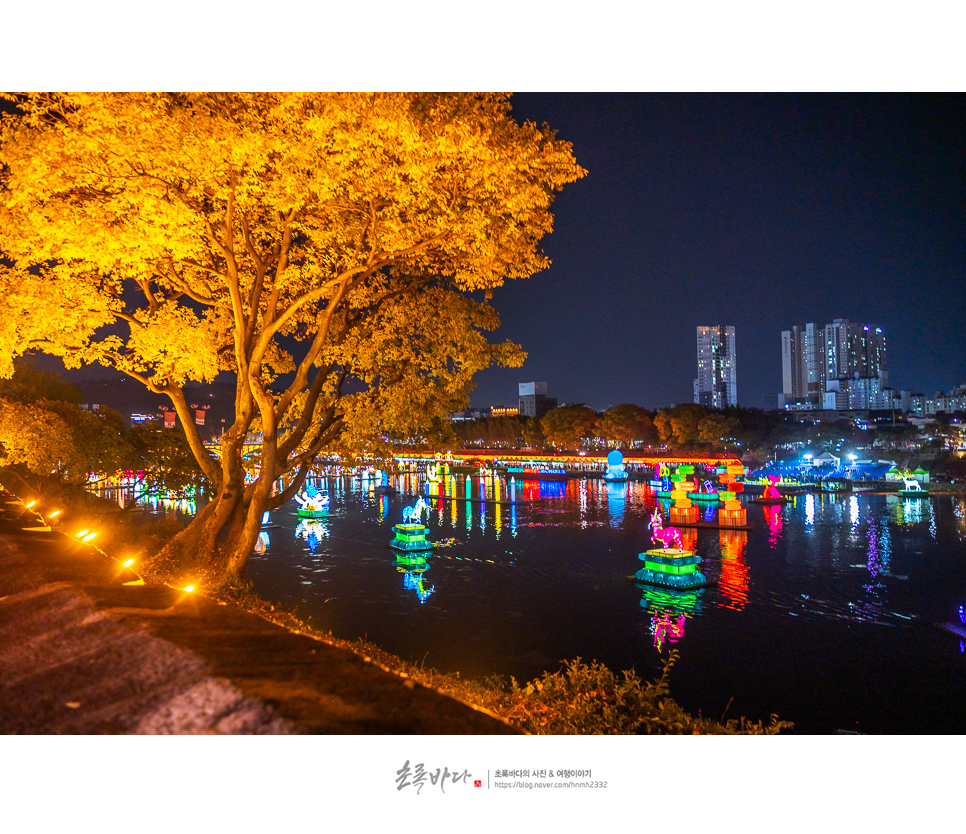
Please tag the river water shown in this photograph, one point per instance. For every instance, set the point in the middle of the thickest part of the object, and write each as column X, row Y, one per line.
column 824, row 614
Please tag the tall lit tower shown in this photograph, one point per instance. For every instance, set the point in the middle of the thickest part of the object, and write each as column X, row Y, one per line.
column 803, row 362
column 716, row 385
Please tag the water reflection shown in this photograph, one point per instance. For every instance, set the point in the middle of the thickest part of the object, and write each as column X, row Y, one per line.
column 263, row 542
column 670, row 610
column 733, row 581
column 959, row 512
column 312, row 531
column 773, row 518
column 907, row 510
column 616, row 494
column 414, row 580
column 880, row 551
column 413, row 567
column 870, row 566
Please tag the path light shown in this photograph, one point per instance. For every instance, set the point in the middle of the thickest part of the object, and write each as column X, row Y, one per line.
column 54, row 513
column 82, row 533
column 188, row 588
column 128, row 563
column 28, row 506
column 89, row 536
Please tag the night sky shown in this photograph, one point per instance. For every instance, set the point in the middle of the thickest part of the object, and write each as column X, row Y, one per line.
column 757, row 211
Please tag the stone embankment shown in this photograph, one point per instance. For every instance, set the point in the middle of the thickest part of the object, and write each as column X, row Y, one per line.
column 86, row 647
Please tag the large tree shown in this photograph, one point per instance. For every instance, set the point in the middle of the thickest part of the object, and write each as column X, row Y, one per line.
column 569, row 426
column 322, row 248
column 678, row 425
column 719, row 431
column 626, row 424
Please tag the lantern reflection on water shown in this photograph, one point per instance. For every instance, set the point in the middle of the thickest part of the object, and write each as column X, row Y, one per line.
column 413, row 567
column 773, row 517
column 312, row 532
column 733, row 580
column 670, row 610
column 616, row 501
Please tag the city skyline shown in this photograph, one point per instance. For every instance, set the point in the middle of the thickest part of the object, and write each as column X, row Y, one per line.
column 758, row 210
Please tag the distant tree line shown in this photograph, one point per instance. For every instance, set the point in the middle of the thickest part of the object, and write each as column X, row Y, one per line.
column 752, row 433
column 52, row 445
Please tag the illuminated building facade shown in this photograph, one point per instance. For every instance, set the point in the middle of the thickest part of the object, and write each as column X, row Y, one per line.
column 803, row 362
column 534, row 401
column 716, row 385
column 842, row 366
column 949, row 403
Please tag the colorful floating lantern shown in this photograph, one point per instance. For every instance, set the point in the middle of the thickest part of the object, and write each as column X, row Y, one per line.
column 411, row 534
column 616, row 471
column 732, row 513
column 771, row 495
column 683, row 511
column 706, row 492
column 312, row 502
column 670, row 567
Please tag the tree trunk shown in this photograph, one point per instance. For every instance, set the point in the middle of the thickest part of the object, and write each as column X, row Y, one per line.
column 200, row 552
column 214, row 548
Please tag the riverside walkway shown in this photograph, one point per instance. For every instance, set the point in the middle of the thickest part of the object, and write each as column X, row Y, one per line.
column 87, row 648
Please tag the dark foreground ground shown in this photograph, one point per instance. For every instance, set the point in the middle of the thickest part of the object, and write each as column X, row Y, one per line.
column 83, row 650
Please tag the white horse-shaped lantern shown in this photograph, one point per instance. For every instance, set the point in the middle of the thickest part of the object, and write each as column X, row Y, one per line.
column 413, row 514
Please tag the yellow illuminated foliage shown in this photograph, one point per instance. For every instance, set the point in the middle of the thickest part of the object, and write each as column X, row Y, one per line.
column 320, row 247
column 35, row 438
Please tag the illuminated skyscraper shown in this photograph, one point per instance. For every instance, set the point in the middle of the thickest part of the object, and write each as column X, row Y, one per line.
column 716, row 385
column 803, row 362
column 855, row 351
column 841, row 365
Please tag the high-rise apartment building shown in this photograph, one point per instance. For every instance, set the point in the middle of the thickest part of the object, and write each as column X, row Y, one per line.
column 841, row 365
column 803, row 362
column 716, row 385
column 855, row 351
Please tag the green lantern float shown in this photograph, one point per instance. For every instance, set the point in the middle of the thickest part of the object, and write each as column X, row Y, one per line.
column 670, row 567
column 411, row 534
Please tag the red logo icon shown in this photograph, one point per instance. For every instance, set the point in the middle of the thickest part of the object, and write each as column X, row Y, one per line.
column 477, row 783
